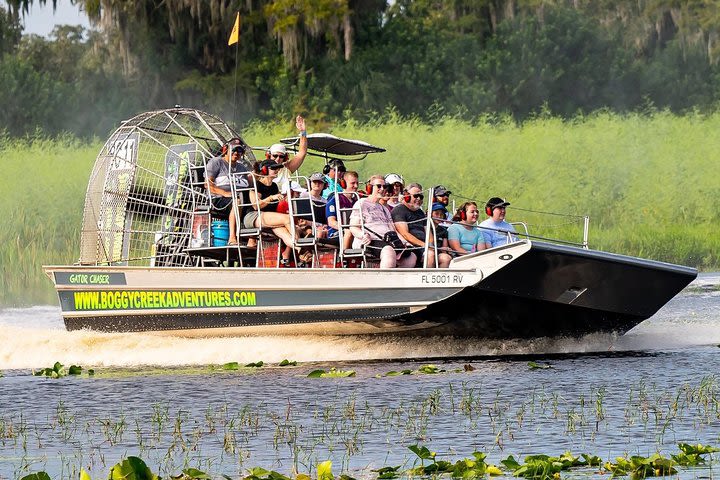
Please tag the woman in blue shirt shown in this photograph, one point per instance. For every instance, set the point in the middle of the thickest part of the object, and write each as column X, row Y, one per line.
column 464, row 237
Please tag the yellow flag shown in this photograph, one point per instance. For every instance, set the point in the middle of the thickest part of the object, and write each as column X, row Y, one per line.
column 235, row 34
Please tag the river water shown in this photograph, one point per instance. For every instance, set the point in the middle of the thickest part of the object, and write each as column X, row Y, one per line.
column 166, row 400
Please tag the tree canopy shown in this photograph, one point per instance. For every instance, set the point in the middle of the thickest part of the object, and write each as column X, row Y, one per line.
column 331, row 59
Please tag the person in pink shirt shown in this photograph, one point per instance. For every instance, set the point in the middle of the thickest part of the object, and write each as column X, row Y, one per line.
column 370, row 221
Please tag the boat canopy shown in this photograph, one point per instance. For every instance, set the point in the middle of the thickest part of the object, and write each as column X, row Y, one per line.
column 332, row 145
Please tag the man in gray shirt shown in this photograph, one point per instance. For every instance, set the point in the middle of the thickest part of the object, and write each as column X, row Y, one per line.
column 219, row 177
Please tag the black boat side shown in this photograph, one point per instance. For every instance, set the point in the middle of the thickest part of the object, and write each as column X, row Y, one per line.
column 556, row 290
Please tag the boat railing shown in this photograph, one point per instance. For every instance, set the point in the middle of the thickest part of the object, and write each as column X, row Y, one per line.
column 244, row 201
column 569, row 219
column 304, row 208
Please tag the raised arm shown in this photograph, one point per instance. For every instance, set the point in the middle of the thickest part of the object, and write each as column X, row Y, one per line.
column 298, row 159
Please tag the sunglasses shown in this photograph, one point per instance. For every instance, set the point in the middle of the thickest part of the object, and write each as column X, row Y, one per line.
column 277, row 155
column 418, row 195
column 379, row 186
column 443, row 195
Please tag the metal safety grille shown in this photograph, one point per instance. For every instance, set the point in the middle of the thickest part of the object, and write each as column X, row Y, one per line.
column 147, row 185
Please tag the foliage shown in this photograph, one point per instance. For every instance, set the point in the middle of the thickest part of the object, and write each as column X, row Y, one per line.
column 132, row 468
column 692, row 455
column 339, row 59
column 58, row 370
column 638, row 467
column 288, row 363
column 538, row 467
column 544, row 467
column 36, row 476
column 538, row 366
column 332, row 373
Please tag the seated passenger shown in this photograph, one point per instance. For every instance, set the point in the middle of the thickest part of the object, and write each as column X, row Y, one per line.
column 291, row 190
column 317, row 186
column 370, row 221
column 439, row 216
column 219, row 171
column 442, row 195
column 395, row 189
column 347, row 199
column 495, row 227
column 465, row 237
column 411, row 221
column 316, row 203
column 278, row 152
column 267, row 200
column 333, row 171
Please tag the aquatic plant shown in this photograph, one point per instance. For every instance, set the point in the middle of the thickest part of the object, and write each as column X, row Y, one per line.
column 132, row 467
column 255, row 364
column 424, row 369
column 37, row 476
column 58, row 370
column 538, row 366
column 429, row 369
column 332, row 373
column 287, row 363
column 638, row 467
column 691, row 455
column 393, row 373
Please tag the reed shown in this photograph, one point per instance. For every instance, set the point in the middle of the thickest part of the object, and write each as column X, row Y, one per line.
column 646, row 181
column 227, row 433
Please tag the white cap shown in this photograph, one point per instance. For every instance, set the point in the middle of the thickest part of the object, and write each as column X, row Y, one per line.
column 394, row 178
column 294, row 186
column 278, row 148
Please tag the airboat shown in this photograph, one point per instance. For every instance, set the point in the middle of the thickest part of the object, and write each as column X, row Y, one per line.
column 149, row 261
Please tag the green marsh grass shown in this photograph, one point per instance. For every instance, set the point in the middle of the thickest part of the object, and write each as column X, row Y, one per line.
column 648, row 183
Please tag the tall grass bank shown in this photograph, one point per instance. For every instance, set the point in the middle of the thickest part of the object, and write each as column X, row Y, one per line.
column 648, row 182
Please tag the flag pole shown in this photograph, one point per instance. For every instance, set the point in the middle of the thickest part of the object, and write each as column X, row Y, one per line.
column 237, row 47
column 235, row 38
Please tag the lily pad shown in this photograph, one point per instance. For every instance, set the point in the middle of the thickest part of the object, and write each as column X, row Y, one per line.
column 539, row 366
column 332, row 373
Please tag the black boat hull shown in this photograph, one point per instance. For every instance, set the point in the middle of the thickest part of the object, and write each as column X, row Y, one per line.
column 554, row 291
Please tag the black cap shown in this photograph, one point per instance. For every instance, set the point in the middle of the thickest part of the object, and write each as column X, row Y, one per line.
column 496, row 202
column 441, row 191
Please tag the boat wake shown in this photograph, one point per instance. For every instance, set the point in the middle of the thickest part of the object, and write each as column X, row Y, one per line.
column 38, row 339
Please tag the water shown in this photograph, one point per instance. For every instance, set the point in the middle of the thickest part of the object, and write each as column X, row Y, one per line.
column 157, row 397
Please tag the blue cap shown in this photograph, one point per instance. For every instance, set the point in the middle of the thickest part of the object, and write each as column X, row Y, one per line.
column 438, row 206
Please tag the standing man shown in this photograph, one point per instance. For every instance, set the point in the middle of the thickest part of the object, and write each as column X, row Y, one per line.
column 219, row 175
column 278, row 152
column 495, row 229
column 411, row 224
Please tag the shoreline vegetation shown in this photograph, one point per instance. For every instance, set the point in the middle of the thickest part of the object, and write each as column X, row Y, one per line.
column 645, row 180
